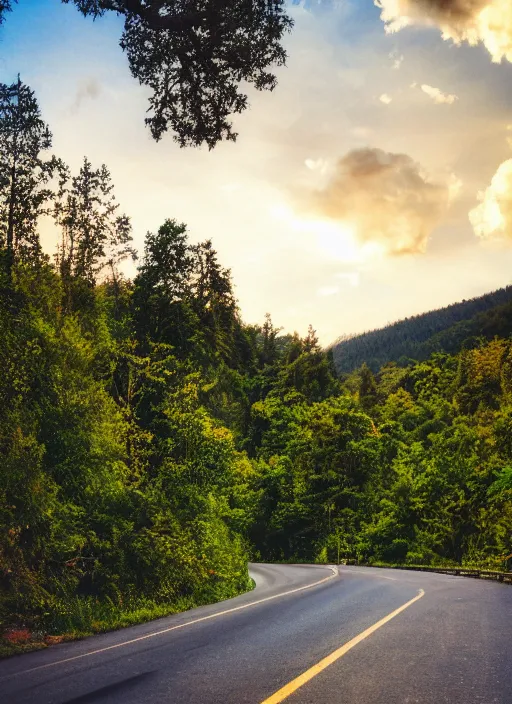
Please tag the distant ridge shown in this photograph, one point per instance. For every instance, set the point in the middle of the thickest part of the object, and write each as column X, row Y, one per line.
column 416, row 338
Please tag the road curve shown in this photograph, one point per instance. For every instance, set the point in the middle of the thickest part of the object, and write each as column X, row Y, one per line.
column 306, row 634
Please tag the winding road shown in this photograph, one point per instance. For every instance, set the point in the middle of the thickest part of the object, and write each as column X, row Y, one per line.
column 306, row 634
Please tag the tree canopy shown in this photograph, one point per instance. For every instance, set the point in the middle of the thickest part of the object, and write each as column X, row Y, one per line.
column 152, row 442
column 197, row 57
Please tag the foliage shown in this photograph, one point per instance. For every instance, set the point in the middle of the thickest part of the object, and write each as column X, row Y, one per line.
column 194, row 56
column 93, row 234
column 416, row 338
column 152, row 442
column 25, row 173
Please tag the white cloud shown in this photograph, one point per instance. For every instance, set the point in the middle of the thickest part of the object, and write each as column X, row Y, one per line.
column 397, row 59
column 472, row 21
column 385, row 98
column 437, row 95
column 493, row 217
column 319, row 165
column 385, row 198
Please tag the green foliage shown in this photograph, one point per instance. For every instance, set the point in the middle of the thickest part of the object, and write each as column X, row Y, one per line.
column 449, row 329
column 151, row 442
column 93, row 234
column 194, row 56
column 26, row 176
column 117, row 484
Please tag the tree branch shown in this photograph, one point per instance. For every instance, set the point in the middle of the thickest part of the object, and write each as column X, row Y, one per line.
column 152, row 17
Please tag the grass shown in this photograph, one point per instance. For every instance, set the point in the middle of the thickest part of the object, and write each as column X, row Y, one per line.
column 78, row 617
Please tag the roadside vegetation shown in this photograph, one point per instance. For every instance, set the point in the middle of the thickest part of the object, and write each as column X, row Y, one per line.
column 152, row 442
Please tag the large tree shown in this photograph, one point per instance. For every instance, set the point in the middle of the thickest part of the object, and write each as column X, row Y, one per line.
column 26, row 171
column 94, row 235
column 162, row 298
column 214, row 300
column 195, row 55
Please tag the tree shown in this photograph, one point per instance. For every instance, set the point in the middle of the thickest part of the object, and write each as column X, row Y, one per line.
column 162, row 305
column 367, row 387
column 194, row 55
column 269, row 351
column 311, row 340
column 214, row 300
column 5, row 6
column 25, row 174
column 93, row 234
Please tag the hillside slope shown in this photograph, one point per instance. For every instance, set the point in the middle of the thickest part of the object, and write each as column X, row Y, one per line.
column 417, row 337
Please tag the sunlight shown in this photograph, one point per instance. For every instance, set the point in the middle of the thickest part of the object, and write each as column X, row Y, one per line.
column 336, row 239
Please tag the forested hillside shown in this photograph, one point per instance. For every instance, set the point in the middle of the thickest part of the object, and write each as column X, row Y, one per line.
column 417, row 337
column 152, row 442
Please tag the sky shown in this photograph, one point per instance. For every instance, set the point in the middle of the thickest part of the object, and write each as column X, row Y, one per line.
column 374, row 183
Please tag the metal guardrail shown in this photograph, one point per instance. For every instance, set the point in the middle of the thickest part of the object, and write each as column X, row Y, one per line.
column 505, row 577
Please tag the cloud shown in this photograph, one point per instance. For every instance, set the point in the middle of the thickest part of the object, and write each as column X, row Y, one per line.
column 397, row 59
column 385, row 98
column 88, row 89
column 493, row 217
column 385, row 198
column 438, row 96
column 319, row 165
column 472, row 21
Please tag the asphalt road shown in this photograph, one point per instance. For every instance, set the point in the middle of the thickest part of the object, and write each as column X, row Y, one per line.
column 451, row 643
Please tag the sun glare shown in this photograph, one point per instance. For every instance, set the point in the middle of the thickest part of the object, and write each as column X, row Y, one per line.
column 336, row 239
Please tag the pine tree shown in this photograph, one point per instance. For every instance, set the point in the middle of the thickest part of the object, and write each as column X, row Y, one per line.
column 269, row 351
column 162, row 297
column 311, row 340
column 28, row 180
column 93, row 234
column 367, row 388
column 214, row 300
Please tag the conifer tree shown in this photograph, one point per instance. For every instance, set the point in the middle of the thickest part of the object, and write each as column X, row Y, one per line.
column 29, row 178
column 94, row 235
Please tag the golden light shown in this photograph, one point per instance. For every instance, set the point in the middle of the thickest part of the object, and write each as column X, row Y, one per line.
column 336, row 239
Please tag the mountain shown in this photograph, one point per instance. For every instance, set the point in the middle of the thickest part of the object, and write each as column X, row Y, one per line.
column 417, row 337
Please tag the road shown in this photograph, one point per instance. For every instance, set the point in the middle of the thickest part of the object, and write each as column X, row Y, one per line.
column 308, row 633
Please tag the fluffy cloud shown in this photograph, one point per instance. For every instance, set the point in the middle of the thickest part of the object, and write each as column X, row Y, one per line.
column 385, row 198
column 437, row 95
column 473, row 21
column 385, row 98
column 493, row 217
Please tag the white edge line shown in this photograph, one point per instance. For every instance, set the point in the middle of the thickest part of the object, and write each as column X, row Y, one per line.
column 369, row 574
column 174, row 628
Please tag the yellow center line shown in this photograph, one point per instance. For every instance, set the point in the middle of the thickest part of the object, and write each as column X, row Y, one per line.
column 301, row 680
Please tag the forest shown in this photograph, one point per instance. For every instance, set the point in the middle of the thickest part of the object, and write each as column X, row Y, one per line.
column 418, row 337
column 152, row 442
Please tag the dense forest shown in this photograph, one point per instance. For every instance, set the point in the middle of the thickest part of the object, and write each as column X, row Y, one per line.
column 152, row 442
column 448, row 329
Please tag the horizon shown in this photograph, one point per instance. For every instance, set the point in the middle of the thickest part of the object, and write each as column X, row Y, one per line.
column 421, row 234
column 392, row 323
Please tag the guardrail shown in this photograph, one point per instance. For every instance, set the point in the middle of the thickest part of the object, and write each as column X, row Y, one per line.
column 505, row 577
